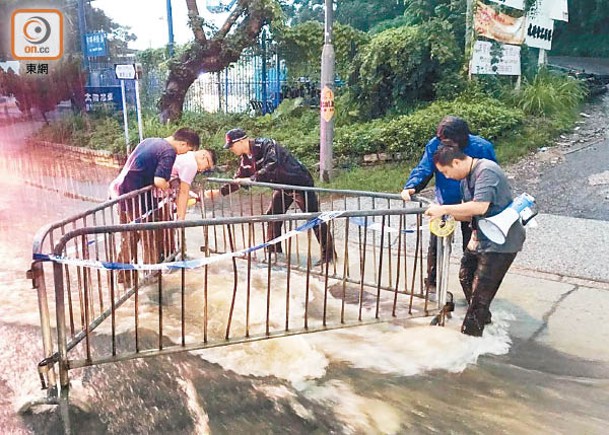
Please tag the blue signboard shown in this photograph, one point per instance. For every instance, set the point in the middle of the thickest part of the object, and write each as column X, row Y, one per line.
column 96, row 44
column 103, row 98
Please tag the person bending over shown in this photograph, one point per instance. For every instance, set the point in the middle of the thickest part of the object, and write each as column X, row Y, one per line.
column 149, row 164
column 264, row 160
column 184, row 171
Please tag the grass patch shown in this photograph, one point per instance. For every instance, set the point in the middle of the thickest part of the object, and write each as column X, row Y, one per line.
column 388, row 178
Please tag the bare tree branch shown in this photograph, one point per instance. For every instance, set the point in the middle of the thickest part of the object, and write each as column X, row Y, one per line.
column 231, row 20
column 195, row 21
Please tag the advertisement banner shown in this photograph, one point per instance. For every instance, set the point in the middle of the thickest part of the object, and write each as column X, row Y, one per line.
column 500, row 27
column 484, row 61
column 516, row 4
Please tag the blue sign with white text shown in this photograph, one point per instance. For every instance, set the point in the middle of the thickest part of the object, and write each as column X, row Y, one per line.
column 103, row 98
column 96, row 44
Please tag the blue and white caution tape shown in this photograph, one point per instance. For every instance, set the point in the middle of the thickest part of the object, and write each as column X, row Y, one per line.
column 188, row 264
column 375, row 226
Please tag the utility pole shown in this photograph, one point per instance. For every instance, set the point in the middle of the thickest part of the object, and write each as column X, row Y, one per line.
column 170, row 29
column 327, row 99
column 82, row 27
column 469, row 21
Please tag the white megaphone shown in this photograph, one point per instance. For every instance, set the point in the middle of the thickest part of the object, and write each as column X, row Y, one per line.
column 497, row 227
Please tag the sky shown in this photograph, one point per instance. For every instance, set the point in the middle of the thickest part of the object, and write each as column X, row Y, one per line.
column 148, row 20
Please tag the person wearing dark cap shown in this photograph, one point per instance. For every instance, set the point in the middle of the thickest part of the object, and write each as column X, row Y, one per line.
column 266, row 161
column 450, row 130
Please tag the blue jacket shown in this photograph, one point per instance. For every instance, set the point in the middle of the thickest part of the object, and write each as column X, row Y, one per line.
column 447, row 191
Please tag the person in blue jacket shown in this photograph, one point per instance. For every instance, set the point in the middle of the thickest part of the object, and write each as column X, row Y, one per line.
column 451, row 129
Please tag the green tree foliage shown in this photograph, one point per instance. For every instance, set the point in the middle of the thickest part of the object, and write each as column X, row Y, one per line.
column 588, row 17
column 451, row 11
column 404, row 65
column 301, row 46
column 586, row 33
column 155, row 66
column 118, row 36
column 364, row 14
column 359, row 14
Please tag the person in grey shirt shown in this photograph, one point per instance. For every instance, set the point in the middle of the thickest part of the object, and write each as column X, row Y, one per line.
column 486, row 192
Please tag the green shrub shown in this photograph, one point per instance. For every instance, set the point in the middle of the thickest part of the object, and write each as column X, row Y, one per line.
column 401, row 66
column 409, row 133
column 550, row 94
column 301, row 46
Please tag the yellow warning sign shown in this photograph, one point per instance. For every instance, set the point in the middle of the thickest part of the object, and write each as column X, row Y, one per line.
column 327, row 104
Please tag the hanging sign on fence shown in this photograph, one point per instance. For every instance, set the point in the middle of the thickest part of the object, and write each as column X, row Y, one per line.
column 327, row 104
column 483, row 61
column 96, row 44
column 102, row 98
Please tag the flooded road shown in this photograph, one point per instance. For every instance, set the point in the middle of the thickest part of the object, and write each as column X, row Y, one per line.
column 388, row 378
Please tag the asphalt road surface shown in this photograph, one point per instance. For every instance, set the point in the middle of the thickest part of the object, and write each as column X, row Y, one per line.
column 571, row 178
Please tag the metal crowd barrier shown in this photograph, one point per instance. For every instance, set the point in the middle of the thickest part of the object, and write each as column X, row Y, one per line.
column 80, row 280
column 215, row 281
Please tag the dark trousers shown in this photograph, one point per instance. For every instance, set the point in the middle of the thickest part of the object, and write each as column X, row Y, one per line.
column 432, row 251
column 481, row 275
column 141, row 209
column 307, row 202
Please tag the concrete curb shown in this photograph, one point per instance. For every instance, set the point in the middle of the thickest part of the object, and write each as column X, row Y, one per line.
column 100, row 157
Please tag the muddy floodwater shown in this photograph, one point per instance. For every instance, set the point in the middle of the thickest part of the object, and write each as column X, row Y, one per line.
column 535, row 370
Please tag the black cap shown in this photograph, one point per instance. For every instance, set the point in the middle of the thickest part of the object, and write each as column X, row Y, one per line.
column 234, row 135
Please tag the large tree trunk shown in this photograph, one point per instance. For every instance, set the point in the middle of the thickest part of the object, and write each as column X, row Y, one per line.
column 240, row 30
column 172, row 100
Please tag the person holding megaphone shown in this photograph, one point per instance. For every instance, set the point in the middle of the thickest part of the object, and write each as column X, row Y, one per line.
column 447, row 191
column 486, row 193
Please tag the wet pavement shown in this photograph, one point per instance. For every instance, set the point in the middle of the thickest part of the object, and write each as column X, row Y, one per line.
column 591, row 65
column 542, row 367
